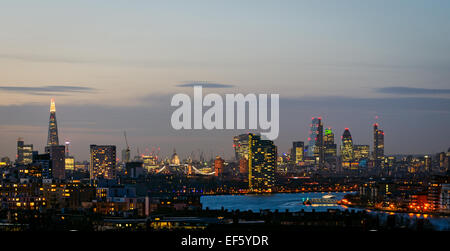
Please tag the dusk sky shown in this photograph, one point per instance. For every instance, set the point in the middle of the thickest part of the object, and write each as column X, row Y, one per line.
column 114, row 65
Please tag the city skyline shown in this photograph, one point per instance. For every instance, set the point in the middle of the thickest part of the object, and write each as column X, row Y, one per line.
column 225, row 123
column 344, row 62
column 316, row 122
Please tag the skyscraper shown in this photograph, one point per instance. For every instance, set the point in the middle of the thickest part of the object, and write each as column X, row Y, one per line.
column 240, row 144
column 44, row 163
column 330, row 148
column 262, row 163
column 298, row 151
column 347, row 153
column 58, row 159
column 315, row 140
column 52, row 139
column 361, row 152
column 70, row 160
column 378, row 146
column 24, row 153
column 103, row 162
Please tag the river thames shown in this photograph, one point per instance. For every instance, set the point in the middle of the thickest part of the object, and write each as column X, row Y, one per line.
column 256, row 202
column 294, row 203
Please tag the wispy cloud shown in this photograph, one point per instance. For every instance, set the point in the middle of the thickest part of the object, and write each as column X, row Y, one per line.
column 58, row 90
column 205, row 84
column 403, row 104
column 411, row 91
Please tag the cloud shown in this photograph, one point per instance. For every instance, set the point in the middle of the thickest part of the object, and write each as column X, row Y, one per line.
column 411, row 91
column 205, row 84
column 370, row 104
column 58, row 90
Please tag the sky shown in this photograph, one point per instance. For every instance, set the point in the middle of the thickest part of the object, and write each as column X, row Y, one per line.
column 114, row 65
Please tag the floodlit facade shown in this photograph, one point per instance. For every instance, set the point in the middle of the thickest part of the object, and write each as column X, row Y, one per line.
column 52, row 139
column 347, row 153
column 103, row 162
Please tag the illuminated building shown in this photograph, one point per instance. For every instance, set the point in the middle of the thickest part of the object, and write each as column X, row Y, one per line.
column 315, row 140
column 218, row 166
column 262, row 163
column 70, row 160
column 389, row 162
column 330, row 147
column 103, row 162
column 444, row 161
column 58, row 158
column 70, row 163
column 240, row 145
column 298, row 150
column 24, row 153
column 444, row 205
column 175, row 160
column 150, row 163
column 434, row 191
column 361, row 152
column 378, row 146
column 5, row 161
column 347, row 146
column 52, row 139
column 243, row 166
column 44, row 163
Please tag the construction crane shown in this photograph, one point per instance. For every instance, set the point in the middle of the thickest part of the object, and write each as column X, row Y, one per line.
column 127, row 151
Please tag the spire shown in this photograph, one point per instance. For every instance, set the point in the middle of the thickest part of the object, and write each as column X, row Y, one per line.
column 52, row 139
column 52, row 105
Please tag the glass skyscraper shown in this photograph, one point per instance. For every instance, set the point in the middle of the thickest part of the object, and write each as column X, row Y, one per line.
column 315, row 140
column 240, row 144
column 330, row 147
column 378, row 145
column 347, row 153
column 52, row 139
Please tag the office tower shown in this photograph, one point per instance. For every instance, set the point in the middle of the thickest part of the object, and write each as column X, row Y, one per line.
column 103, row 162
column 218, row 166
column 298, row 150
column 378, row 146
column 58, row 158
column 44, row 162
column 347, row 146
column 70, row 160
column 361, row 152
column 240, row 145
column 70, row 163
column 262, row 163
column 52, row 139
column 315, row 141
column 330, row 148
column 24, row 153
